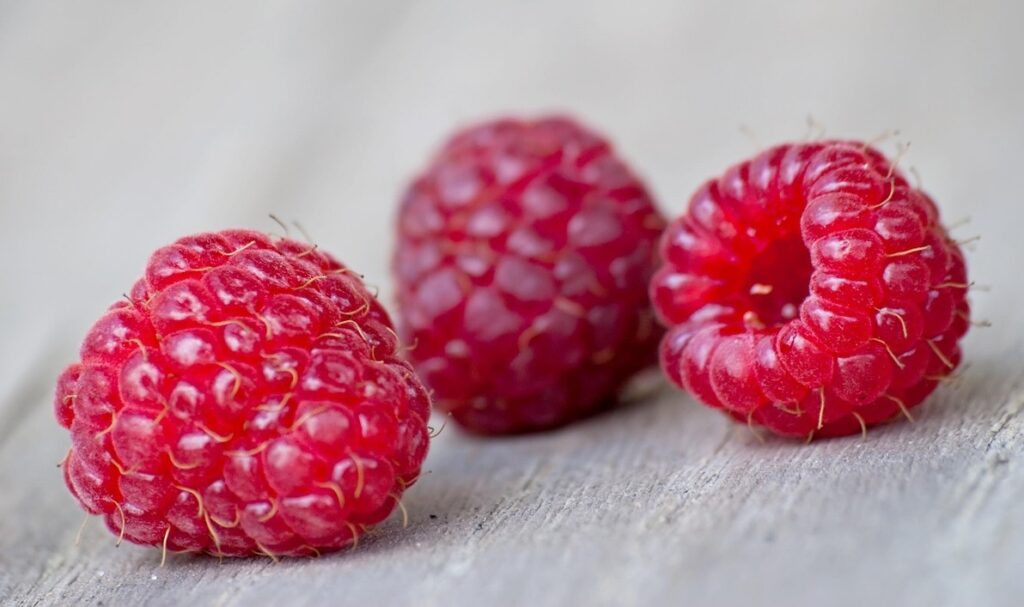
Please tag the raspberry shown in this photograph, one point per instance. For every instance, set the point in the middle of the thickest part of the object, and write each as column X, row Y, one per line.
column 811, row 290
column 246, row 397
column 522, row 261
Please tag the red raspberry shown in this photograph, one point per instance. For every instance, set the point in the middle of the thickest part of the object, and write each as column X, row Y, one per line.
column 523, row 256
column 247, row 397
column 811, row 290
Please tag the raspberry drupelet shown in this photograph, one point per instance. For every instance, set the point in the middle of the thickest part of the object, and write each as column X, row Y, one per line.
column 247, row 397
column 811, row 290
column 523, row 255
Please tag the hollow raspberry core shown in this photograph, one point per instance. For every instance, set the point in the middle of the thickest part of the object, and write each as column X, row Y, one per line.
column 811, row 290
column 772, row 297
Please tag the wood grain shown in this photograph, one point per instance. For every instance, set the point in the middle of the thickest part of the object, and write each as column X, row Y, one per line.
column 122, row 128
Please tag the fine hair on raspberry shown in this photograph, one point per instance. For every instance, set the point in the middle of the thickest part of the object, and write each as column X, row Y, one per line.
column 523, row 254
column 246, row 397
column 811, row 290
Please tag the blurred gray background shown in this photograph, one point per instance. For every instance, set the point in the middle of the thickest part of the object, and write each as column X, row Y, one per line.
column 124, row 125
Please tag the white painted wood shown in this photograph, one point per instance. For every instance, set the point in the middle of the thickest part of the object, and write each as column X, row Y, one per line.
column 123, row 126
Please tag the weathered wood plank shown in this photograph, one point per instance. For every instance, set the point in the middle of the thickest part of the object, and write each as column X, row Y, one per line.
column 658, row 500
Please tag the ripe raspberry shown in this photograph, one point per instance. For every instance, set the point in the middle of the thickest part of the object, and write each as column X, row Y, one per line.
column 246, row 398
column 523, row 256
column 811, row 290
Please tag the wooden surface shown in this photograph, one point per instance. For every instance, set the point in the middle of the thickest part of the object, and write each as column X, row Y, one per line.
column 125, row 125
